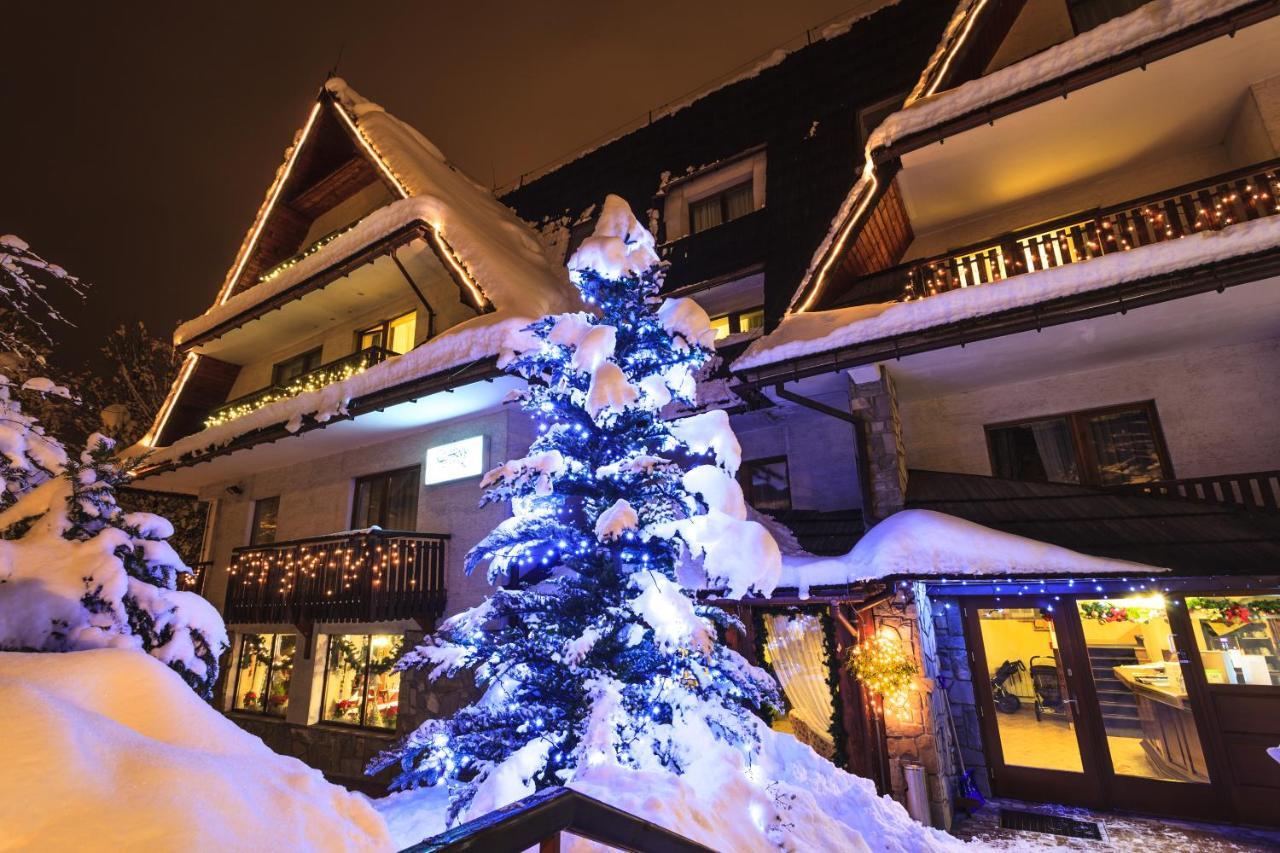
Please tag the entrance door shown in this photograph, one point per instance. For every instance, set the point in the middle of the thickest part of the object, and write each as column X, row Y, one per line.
column 1086, row 702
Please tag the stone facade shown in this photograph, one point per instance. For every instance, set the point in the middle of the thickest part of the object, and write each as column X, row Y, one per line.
column 954, row 670
column 922, row 735
column 875, row 400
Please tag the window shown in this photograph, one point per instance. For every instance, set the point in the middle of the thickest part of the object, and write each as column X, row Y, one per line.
column 871, row 117
column 265, row 513
column 263, row 673
column 1238, row 637
column 394, row 335
column 388, row 500
column 1099, row 447
column 359, row 687
column 292, row 368
column 738, row 322
column 768, row 485
column 726, row 205
column 577, row 234
column 1087, row 14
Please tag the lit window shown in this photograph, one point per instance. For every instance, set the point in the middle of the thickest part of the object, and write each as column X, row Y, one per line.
column 721, row 327
column 394, row 335
column 749, row 320
column 721, row 207
column 360, row 689
column 738, row 322
column 1238, row 637
column 1100, row 447
column 263, row 673
column 768, row 484
column 266, row 513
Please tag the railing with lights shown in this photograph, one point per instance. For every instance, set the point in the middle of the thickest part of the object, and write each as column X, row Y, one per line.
column 1208, row 205
column 313, row 380
column 356, row 576
column 194, row 580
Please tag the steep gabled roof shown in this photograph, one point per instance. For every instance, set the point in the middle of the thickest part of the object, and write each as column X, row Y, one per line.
column 495, row 258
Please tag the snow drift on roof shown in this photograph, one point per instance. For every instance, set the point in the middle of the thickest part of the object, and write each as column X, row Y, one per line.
column 822, row 331
column 923, row 543
column 500, row 252
column 1146, row 24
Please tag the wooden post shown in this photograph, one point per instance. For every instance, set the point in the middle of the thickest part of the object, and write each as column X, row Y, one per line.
column 550, row 844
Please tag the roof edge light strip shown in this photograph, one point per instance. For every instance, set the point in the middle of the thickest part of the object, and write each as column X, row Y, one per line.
column 170, row 402
column 272, row 197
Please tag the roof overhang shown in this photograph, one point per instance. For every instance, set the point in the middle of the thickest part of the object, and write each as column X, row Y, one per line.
column 1114, row 300
column 383, row 415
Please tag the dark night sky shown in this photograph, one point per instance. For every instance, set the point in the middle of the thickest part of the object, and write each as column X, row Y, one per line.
column 140, row 137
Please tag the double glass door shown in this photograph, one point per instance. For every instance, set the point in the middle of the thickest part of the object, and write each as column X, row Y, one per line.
column 1086, row 701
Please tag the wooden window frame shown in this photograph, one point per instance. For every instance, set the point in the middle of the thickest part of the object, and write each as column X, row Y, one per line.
column 744, row 479
column 1086, row 453
column 318, row 352
column 386, row 477
column 721, row 195
column 271, row 668
column 735, row 318
column 253, row 522
column 364, row 697
column 385, row 327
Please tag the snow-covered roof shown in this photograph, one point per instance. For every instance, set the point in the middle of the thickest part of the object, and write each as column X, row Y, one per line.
column 497, row 251
column 922, row 543
column 1146, row 24
column 822, row 331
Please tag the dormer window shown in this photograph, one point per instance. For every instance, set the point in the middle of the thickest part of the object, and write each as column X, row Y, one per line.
column 395, row 335
column 714, row 195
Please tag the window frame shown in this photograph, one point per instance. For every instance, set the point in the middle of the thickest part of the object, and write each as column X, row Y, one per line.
column 880, row 110
column 1077, row 422
column 258, row 504
column 734, row 319
column 386, row 477
column 385, row 327
column 745, row 481
column 721, row 195
column 276, row 369
column 364, row 693
column 271, row 668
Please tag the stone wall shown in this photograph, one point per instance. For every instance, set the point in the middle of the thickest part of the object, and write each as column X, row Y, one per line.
column 954, row 670
column 874, row 399
column 921, row 736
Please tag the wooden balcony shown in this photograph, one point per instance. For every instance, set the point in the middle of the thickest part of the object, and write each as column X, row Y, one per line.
column 1258, row 491
column 355, row 576
column 334, row 371
column 1207, row 205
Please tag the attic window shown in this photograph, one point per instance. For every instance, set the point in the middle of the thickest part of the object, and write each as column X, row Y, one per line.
column 715, row 195
column 720, row 208
column 871, row 117
column 579, row 233
column 1087, row 14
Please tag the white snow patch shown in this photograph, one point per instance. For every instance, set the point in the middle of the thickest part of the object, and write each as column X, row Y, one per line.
column 110, row 750
column 616, row 520
column 710, row 432
column 619, row 247
column 609, row 390
column 816, row 332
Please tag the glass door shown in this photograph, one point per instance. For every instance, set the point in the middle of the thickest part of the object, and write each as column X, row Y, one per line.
column 1027, row 682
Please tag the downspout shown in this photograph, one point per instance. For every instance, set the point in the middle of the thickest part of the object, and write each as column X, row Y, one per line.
column 859, row 436
column 431, row 314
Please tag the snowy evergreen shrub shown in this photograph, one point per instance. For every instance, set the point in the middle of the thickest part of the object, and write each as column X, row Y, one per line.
column 77, row 571
column 601, row 652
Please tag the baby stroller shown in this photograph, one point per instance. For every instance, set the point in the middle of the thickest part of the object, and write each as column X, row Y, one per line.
column 1001, row 688
column 1044, row 679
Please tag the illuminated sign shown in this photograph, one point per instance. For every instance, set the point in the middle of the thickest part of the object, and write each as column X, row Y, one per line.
column 455, row 460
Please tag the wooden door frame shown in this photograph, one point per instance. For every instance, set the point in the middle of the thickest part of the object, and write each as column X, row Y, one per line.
column 1028, row 783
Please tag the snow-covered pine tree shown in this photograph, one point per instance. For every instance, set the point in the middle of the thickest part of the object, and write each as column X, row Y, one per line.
column 600, row 651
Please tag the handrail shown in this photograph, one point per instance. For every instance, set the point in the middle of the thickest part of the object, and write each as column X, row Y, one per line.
column 1257, row 491
column 539, row 819
column 325, row 374
column 1208, row 204
column 353, row 576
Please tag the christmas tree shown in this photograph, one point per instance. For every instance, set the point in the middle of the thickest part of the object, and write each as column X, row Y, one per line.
column 598, row 649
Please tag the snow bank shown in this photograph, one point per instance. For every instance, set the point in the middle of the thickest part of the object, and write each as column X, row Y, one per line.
column 821, row 331
column 1120, row 35
column 791, row 799
column 110, row 750
column 921, row 542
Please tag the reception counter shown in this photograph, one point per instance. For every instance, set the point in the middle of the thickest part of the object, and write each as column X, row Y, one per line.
column 1169, row 735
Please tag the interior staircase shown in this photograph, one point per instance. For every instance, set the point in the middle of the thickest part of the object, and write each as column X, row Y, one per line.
column 1119, row 708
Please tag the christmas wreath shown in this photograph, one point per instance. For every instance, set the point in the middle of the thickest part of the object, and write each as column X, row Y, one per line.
column 1106, row 611
column 1231, row 611
column 882, row 665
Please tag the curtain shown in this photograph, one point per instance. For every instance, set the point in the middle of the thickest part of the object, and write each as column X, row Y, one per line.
column 1053, row 443
column 793, row 645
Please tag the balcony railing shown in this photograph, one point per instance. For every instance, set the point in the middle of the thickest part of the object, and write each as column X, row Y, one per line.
column 1208, row 205
column 1258, row 491
column 313, row 380
column 357, row 576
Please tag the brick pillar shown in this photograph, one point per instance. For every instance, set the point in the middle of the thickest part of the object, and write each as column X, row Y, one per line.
column 874, row 400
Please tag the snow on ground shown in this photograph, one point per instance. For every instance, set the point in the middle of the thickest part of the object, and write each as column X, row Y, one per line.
column 922, row 542
column 1146, row 24
column 110, row 750
column 821, row 331
column 792, row 799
